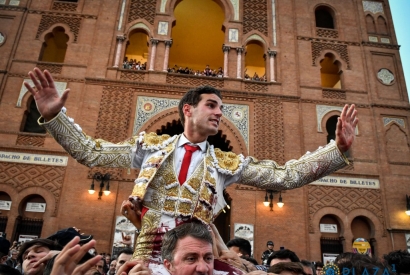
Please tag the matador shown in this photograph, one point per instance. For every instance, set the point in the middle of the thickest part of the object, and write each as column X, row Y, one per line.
column 159, row 196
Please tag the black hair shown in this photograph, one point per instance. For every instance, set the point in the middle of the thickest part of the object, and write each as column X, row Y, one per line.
column 284, row 254
column 243, row 245
column 400, row 259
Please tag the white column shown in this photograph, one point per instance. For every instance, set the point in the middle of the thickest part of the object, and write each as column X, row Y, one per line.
column 154, row 43
column 120, row 40
column 226, row 49
column 272, row 55
column 239, row 63
column 168, row 45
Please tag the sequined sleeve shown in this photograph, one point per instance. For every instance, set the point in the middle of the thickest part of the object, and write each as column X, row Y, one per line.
column 86, row 150
column 268, row 174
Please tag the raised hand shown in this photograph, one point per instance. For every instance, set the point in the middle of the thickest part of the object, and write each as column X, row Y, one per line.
column 132, row 211
column 49, row 103
column 345, row 128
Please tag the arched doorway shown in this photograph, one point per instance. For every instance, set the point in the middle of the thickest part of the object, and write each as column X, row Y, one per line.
column 331, row 239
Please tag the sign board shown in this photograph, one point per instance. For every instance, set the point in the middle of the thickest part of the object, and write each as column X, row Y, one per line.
column 26, row 238
column 5, row 205
column 33, row 158
column 36, row 207
column 348, row 182
column 244, row 231
column 329, row 258
column 328, row 228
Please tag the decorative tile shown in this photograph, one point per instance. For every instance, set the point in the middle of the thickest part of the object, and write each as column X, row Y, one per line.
column 162, row 28
column 147, row 107
column 385, row 76
column 385, row 40
column 373, row 39
column 61, row 86
column 233, row 35
column 373, row 7
column 235, row 4
column 322, row 110
column 399, row 121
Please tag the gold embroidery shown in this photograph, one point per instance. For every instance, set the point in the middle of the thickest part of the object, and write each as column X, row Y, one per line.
column 139, row 189
column 209, row 178
column 169, row 205
column 227, row 160
column 153, row 139
column 194, row 182
column 184, row 208
column 144, row 246
column 147, row 173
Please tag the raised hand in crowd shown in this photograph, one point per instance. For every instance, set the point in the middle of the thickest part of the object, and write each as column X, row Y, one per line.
column 49, row 102
column 67, row 261
column 134, row 267
column 132, row 211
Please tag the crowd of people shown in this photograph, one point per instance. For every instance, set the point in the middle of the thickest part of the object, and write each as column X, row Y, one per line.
column 191, row 248
column 133, row 64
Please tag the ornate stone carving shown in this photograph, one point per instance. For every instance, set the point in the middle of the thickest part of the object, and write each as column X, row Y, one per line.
column 385, row 76
column 318, row 47
column 328, row 33
column 321, row 111
column 334, row 94
column 255, row 16
column 48, row 20
column 373, row 7
column 269, row 130
column 388, row 120
column 195, row 81
column 142, row 9
column 21, row 176
column 385, row 40
column 381, row 45
column 256, row 87
column 64, row 6
column 60, row 86
column 52, row 68
column 235, row 4
column 30, row 140
column 132, row 75
column 344, row 199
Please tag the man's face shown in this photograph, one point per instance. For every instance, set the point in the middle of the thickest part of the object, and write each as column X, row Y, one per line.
column 276, row 260
column 204, row 119
column 191, row 257
column 270, row 247
column 14, row 255
column 108, row 259
column 100, row 266
column 308, row 270
column 318, row 270
column 113, row 265
column 122, row 259
column 31, row 256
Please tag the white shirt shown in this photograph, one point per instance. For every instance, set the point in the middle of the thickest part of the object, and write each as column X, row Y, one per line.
column 197, row 156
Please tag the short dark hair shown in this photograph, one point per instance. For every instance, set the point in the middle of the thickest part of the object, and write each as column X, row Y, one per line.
column 318, row 264
column 52, row 245
column 360, row 263
column 192, row 97
column 127, row 251
column 401, row 260
column 310, row 265
column 243, row 245
column 196, row 230
column 287, row 266
column 284, row 254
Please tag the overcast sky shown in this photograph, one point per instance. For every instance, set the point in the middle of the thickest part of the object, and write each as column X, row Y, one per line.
column 401, row 19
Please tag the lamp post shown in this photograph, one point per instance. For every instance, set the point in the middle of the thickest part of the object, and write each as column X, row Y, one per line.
column 269, row 199
column 104, row 180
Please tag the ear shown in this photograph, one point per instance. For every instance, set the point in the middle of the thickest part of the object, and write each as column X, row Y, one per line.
column 187, row 110
column 168, row 265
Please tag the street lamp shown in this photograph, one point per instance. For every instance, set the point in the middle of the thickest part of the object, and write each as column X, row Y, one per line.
column 408, row 205
column 102, row 178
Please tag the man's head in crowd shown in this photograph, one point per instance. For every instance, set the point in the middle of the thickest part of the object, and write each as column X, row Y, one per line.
column 32, row 251
column 270, row 245
column 8, row 270
column 100, row 265
column 319, row 267
column 400, row 259
column 123, row 256
column 4, row 249
column 360, row 263
column 240, row 246
column 308, row 267
column 112, row 268
column 187, row 249
column 287, row 268
column 283, row 255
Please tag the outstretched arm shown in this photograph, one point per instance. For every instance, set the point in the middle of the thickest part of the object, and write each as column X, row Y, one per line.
column 345, row 128
column 49, row 103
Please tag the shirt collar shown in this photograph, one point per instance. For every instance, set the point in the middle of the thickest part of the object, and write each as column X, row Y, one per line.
column 183, row 140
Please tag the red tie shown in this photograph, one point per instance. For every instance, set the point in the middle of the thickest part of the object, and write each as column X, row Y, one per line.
column 186, row 162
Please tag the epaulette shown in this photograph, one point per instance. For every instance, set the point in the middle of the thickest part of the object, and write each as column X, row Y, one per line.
column 152, row 141
column 227, row 162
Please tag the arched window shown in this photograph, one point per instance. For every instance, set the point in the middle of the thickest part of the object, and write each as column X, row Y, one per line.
column 54, row 46
column 382, row 25
column 361, row 228
column 31, row 116
column 30, row 219
column 198, row 35
column 5, row 201
column 254, row 61
column 136, row 54
column 331, row 128
column 371, row 27
column 324, row 18
column 330, row 72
